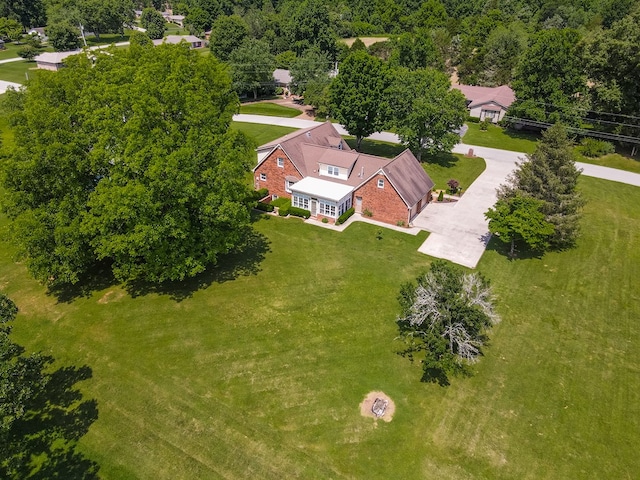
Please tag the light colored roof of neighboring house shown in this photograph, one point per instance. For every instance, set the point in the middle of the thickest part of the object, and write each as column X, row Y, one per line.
column 55, row 57
column 322, row 188
column 175, row 39
column 310, row 147
column 281, row 75
column 502, row 95
column 408, row 177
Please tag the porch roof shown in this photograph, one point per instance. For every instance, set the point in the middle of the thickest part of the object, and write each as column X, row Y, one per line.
column 316, row 187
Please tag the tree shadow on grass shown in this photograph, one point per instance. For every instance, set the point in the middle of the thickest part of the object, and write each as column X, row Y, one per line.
column 41, row 444
column 522, row 252
column 243, row 262
column 445, row 159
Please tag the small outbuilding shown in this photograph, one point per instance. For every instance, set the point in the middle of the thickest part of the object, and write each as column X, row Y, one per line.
column 54, row 60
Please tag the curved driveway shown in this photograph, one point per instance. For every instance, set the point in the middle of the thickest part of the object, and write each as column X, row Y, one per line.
column 459, row 231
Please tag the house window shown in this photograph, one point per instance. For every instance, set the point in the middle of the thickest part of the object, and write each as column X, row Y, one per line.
column 263, row 177
column 288, row 184
column 381, row 183
column 281, row 162
column 331, row 170
column 300, row 202
column 327, row 209
column 492, row 114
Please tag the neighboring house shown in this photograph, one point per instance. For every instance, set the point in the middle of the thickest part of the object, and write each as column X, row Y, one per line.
column 53, row 60
column 177, row 19
column 175, row 39
column 39, row 31
column 282, row 77
column 487, row 102
column 319, row 172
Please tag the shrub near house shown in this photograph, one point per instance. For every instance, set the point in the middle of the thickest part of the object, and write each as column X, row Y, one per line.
column 320, row 173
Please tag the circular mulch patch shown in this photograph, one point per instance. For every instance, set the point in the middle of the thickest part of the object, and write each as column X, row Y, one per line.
column 367, row 405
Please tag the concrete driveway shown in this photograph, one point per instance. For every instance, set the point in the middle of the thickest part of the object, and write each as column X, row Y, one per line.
column 459, row 231
column 5, row 85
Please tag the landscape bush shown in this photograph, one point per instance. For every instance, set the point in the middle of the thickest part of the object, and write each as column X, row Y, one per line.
column 590, row 147
column 471, row 119
column 265, row 207
column 299, row 212
column 345, row 216
column 441, row 196
column 281, row 202
column 263, row 192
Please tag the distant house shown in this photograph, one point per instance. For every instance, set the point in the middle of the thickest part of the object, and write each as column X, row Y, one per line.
column 171, row 18
column 175, row 39
column 282, row 77
column 53, row 60
column 39, row 31
column 487, row 102
column 319, row 172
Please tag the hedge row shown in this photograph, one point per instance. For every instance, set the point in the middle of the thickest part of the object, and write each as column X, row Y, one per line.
column 345, row 216
column 265, row 207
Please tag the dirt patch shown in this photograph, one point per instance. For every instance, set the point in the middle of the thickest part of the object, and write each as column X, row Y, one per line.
column 111, row 296
column 367, row 404
column 368, row 41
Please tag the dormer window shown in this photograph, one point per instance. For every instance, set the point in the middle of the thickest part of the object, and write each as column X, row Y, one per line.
column 331, row 170
column 381, row 183
column 281, row 162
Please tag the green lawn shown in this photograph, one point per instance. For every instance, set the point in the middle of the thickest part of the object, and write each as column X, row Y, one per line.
column 262, row 133
column 269, row 109
column 441, row 168
column 259, row 374
column 16, row 71
column 108, row 38
column 498, row 137
column 614, row 160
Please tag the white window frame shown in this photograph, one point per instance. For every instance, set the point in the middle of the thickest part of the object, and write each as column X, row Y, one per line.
column 300, row 202
column 381, row 183
column 327, row 209
column 263, row 177
column 331, row 170
column 287, row 185
column 280, row 162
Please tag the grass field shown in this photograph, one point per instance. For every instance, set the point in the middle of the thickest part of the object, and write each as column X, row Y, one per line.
column 497, row 137
column 614, row 160
column 259, row 374
column 269, row 109
column 16, row 71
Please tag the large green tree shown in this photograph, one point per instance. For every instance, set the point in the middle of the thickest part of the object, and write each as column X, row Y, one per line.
column 130, row 162
column 42, row 414
column 357, row 95
column 549, row 82
column 252, row 66
column 444, row 318
column 10, row 29
column 549, row 175
column 425, row 111
column 30, row 13
column 63, row 36
column 105, row 16
column 309, row 26
column 227, row 34
column 153, row 22
column 520, row 218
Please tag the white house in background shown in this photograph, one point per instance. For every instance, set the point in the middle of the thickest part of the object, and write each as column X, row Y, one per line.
column 171, row 18
column 53, row 60
column 39, row 31
column 175, row 39
column 487, row 102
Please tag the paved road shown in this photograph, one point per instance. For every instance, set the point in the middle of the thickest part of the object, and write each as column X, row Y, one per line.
column 459, row 231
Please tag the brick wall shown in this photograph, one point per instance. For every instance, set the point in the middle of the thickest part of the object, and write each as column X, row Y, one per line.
column 275, row 182
column 385, row 203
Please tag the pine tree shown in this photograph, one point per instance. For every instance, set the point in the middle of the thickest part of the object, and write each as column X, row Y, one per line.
column 550, row 175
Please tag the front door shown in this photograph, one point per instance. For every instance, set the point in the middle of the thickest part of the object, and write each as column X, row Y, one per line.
column 314, row 206
column 358, row 204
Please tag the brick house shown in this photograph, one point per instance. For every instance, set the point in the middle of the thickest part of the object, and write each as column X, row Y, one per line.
column 319, row 172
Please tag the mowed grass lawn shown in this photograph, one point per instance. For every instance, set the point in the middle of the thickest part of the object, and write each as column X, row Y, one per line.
column 260, row 374
column 269, row 109
column 17, row 71
column 498, row 137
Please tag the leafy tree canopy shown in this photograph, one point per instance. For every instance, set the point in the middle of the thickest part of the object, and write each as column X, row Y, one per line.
column 153, row 22
column 63, row 36
column 128, row 162
column 252, row 66
column 227, row 34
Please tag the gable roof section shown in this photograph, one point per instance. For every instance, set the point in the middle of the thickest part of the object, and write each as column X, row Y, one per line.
column 55, row 57
column 408, row 177
column 502, row 95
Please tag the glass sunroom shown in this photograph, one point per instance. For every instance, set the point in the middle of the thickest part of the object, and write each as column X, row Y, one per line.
column 321, row 197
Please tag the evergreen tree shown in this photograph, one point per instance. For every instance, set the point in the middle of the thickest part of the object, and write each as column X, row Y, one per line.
column 550, row 175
